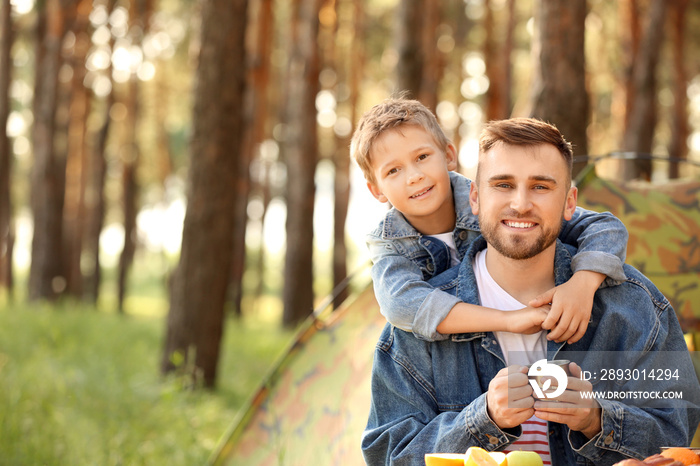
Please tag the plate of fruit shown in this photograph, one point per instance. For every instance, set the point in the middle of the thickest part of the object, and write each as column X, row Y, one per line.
column 476, row 456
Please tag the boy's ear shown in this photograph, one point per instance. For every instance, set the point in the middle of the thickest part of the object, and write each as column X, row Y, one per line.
column 376, row 192
column 570, row 205
column 474, row 197
column 451, row 157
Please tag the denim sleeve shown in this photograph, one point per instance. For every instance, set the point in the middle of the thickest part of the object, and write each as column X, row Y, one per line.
column 405, row 299
column 631, row 432
column 405, row 422
column 601, row 239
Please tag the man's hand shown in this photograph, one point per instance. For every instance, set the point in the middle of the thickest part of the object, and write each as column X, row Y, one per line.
column 572, row 303
column 526, row 320
column 580, row 413
column 509, row 400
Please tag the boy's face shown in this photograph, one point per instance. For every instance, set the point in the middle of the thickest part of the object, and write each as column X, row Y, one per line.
column 522, row 195
column 412, row 173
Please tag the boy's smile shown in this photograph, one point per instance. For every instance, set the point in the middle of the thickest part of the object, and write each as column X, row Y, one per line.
column 412, row 173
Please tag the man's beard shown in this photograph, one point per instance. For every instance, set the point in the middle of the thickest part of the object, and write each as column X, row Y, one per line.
column 514, row 246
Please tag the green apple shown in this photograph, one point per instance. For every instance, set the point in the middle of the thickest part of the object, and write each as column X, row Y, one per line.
column 523, row 458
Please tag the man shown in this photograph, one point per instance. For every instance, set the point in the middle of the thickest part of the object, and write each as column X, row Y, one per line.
column 473, row 390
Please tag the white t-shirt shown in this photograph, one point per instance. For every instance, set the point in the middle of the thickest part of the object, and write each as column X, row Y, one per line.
column 449, row 240
column 517, row 349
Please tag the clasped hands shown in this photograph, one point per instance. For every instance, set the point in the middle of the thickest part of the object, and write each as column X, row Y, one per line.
column 565, row 309
column 510, row 402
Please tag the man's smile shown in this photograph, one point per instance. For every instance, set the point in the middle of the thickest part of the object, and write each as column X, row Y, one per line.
column 519, row 225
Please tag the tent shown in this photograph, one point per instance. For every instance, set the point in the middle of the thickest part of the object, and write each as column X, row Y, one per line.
column 313, row 407
column 663, row 221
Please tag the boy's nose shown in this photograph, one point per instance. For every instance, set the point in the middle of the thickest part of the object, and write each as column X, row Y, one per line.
column 415, row 175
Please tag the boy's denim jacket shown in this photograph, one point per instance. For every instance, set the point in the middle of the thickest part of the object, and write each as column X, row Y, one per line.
column 404, row 260
column 431, row 396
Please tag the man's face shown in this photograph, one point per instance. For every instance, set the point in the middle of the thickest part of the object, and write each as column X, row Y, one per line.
column 412, row 173
column 522, row 196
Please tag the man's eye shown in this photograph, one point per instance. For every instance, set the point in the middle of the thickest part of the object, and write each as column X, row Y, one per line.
column 541, row 187
column 503, row 185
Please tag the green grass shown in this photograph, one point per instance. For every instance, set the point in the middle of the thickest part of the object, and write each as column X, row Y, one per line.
column 78, row 386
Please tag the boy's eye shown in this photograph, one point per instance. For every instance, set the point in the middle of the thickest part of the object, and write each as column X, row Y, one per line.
column 423, row 156
column 392, row 171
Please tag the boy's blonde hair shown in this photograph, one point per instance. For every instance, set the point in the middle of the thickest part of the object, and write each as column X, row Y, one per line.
column 391, row 114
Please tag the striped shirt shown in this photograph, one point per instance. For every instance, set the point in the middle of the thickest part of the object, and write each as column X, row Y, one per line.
column 534, row 438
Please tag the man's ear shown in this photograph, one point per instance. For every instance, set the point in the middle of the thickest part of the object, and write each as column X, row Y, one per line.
column 474, row 197
column 570, row 206
column 376, row 192
column 451, row 157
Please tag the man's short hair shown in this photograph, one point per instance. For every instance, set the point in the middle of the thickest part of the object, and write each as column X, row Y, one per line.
column 392, row 113
column 525, row 132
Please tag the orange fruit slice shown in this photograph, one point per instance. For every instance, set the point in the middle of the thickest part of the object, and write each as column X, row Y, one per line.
column 684, row 455
column 477, row 456
column 445, row 459
column 499, row 457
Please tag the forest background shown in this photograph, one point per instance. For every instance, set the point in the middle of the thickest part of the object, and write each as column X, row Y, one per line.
column 186, row 163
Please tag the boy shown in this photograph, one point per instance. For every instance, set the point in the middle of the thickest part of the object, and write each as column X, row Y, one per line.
column 408, row 161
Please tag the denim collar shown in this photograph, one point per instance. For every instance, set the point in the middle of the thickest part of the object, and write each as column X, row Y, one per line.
column 396, row 226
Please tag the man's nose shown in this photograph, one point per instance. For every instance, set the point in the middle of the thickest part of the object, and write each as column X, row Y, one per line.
column 521, row 201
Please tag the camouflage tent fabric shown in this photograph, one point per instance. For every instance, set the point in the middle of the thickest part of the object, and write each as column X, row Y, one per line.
column 314, row 407
column 663, row 221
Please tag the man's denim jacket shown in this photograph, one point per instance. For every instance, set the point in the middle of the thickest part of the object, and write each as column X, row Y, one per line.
column 431, row 396
column 404, row 260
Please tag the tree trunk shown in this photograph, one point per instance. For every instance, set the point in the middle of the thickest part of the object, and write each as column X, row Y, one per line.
column 257, row 105
column 198, row 287
column 353, row 76
column 498, row 68
column 678, row 146
column 46, row 277
column 629, row 13
column 433, row 59
column 639, row 135
column 94, row 196
column 95, row 207
column 76, row 160
column 560, row 95
column 129, row 154
column 301, row 154
column 6, row 230
column 409, row 69
column 140, row 12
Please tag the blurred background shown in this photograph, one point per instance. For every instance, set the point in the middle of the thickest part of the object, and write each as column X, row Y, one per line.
column 176, row 188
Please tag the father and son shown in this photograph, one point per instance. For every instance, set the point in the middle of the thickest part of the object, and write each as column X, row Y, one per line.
column 481, row 279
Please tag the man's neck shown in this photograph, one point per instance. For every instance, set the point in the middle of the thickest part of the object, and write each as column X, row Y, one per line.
column 522, row 279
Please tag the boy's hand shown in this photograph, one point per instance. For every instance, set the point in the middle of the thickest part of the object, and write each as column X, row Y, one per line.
column 571, row 306
column 526, row 320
